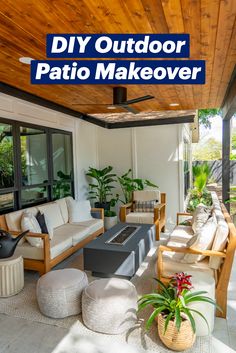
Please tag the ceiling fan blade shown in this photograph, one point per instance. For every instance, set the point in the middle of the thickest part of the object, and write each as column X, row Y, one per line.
column 128, row 108
column 139, row 99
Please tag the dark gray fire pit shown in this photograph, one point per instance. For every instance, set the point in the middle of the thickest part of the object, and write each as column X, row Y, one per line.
column 119, row 251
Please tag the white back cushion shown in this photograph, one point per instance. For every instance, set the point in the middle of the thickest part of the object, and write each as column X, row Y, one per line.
column 203, row 240
column 146, row 195
column 63, row 208
column 13, row 219
column 53, row 213
column 220, row 240
column 79, row 211
column 200, row 217
column 29, row 222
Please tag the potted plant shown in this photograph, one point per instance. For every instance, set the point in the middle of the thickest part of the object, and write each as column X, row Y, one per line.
column 101, row 188
column 176, row 324
column 129, row 184
column 110, row 217
column 199, row 194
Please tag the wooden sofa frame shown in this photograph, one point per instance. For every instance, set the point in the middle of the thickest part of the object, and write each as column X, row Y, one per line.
column 222, row 275
column 45, row 265
column 159, row 214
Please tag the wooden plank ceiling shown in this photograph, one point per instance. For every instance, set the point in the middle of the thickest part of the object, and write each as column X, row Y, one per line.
column 211, row 24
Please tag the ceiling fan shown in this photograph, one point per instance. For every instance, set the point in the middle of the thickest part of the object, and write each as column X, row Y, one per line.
column 120, row 100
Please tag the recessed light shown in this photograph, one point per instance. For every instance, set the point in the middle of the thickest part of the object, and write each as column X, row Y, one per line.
column 173, row 104
column 111, row 107
column 25, row 60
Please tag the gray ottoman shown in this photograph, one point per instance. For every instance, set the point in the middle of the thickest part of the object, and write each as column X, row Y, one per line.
column 109, row 305
column 59, row 292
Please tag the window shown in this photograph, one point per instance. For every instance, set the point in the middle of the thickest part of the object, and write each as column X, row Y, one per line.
column 36, row 165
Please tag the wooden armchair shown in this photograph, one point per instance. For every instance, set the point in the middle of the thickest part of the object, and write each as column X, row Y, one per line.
column 155, row 215
column 222, row 275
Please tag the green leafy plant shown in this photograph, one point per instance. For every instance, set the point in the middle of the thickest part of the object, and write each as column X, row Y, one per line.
column 204, row 116
column 172, row 301
column 62, row 186
column 100, row 188
column 129, row 184
column 199, row 194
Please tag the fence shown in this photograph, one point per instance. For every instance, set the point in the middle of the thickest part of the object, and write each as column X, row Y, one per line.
column 216, row 171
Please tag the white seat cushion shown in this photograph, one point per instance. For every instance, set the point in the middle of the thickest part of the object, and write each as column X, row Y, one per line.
column 28, row 251
column 92, row 225
column 63, row 208
column 62, row 241
column 171, row 267
column 179, row 239
column 52, row 211
column 140, row 217
column 76, row 232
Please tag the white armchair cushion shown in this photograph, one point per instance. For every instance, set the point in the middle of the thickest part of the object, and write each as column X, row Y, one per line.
column 140, row 217
column 203, row 240
column 146, row 195
column 79, row 211
column 29, row 222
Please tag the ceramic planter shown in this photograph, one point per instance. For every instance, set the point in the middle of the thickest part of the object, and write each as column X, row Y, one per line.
column 109, row 222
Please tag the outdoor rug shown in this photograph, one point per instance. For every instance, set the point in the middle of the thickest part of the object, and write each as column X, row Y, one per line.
column 24, row 305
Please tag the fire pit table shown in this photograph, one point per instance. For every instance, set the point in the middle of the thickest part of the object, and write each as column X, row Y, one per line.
column 120, row 250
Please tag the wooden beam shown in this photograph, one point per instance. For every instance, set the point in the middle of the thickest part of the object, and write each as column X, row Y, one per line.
column 152, row 122
column 226, row 163
column 229, row 103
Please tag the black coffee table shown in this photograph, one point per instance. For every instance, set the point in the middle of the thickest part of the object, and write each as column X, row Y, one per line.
column 107, row 257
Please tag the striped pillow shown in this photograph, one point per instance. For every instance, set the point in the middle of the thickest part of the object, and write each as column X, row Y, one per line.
column 144, row 206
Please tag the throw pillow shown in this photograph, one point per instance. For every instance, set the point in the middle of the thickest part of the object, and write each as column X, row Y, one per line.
column 200, row 217
column 30, row 223
column 45, row 224
column 144, row 206
column 79, row 211
column 203, row 241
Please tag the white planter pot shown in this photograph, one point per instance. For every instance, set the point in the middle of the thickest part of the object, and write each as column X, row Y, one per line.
column 109, row 222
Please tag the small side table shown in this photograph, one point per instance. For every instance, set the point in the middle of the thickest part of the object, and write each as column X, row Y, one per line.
column 11, row 275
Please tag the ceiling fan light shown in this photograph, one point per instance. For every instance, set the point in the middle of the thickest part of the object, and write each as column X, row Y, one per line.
column 173, row 104
column 111, row 107
column 25, row 60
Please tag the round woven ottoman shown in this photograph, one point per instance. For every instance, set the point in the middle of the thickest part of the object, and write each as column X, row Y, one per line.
column 59, row 292
column 109, row 305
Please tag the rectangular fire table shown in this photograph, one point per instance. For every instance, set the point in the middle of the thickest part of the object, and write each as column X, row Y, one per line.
column 120, row 250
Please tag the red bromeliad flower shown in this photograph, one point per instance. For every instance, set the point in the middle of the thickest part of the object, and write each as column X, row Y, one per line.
column 181, row 281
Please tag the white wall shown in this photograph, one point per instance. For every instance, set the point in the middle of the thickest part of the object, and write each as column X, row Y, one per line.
column 84, row 134
column 153, row 153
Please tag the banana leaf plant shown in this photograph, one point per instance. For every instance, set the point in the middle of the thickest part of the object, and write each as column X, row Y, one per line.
column 101, row 186
column 129, row 184
column 172, row 301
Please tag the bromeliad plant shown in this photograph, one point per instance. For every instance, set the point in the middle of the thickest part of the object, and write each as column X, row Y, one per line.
column 172, row 301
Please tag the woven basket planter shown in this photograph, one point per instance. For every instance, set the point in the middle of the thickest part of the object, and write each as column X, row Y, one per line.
column 174, row 339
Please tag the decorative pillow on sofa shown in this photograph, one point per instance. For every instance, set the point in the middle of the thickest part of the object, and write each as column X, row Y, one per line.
column 79, row 211
column 30, row 223
column 45, row 225
column 200, row 216
column 202, row 240
column 144, row 206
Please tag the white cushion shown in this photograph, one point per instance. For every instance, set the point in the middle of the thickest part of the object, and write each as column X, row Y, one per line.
column 200, row 216
column 29, row 222
column 179, row 238
column 79, row 211
column 140, row 217
column 62, row 241
column 28, row 251
column 220, row 240
column 49, row 225
column 92, row 225
column 76, row 232
column 203, row 241
column 13, row 219
column 63, row 208
column 52, row 211
column 171, row 267
column 146, row 195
